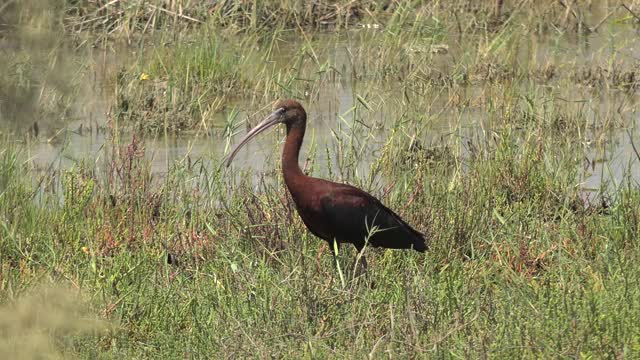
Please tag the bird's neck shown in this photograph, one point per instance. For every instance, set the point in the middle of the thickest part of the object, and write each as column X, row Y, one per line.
column 290, row 166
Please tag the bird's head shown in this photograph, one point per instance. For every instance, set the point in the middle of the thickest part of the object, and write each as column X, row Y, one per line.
column 288, row 112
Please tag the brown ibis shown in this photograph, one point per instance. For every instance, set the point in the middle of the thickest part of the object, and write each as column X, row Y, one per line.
column 337, row 213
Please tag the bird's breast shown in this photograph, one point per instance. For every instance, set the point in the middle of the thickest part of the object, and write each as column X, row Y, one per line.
column 313, row 219
column 306, row 197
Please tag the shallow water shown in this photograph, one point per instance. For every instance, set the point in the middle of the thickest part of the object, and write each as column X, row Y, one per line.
column 608, row 153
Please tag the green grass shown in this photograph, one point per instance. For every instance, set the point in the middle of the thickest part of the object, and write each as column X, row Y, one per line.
column 519, row 265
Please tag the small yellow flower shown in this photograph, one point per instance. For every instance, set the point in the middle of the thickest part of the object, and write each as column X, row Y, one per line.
column 144, row 76
column 219, row 284
column 86, row 250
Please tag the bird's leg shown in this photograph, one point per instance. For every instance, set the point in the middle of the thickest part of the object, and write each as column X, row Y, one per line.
column 335, row 249
column 360, row 264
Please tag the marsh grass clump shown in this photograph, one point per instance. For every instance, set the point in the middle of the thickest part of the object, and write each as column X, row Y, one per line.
column 132, row 19
column 618, row 77
column 507, row 251
column 400, row 152
column 179, row 88
column 267, row 226
column 137, row 18
column 291, row 14
column 521, row 176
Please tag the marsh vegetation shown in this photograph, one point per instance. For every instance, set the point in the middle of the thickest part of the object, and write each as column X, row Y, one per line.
column 505, row 130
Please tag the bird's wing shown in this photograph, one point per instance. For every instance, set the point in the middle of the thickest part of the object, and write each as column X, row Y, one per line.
column 353, row 214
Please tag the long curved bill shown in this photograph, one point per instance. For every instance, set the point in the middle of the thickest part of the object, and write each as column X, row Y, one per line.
column 273, row 119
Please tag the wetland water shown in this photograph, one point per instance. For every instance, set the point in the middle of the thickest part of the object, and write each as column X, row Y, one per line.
column 330, row 105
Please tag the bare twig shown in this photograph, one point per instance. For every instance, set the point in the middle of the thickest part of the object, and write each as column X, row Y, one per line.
column 106, row 5
column 575, row 15
column 633, row 145
column 175, row 13
column 595, row 28
column 151, row 18
column 631, row 11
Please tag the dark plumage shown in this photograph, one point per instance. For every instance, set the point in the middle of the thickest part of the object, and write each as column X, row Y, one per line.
column 333, row 211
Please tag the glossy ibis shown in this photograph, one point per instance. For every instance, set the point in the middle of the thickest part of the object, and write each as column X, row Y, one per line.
column 332, row 211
